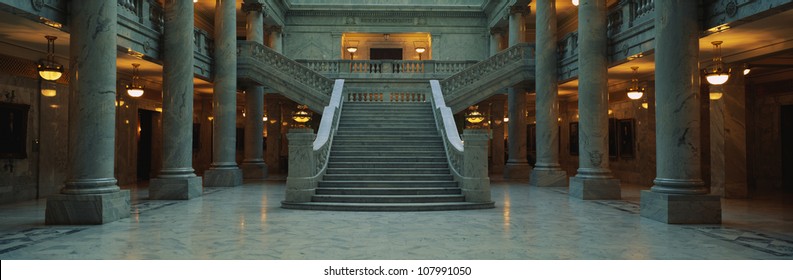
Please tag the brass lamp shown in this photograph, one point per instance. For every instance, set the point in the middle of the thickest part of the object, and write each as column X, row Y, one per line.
column 48, row 69
column 717, row 75
column 474, row 117
column 420, row 50
column 635, row 92
column 135, row 89
column 352, row 47
column 301, row 116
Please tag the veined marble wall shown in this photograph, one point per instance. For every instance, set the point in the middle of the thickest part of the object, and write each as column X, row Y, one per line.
column 765, row 142
column 318, row 34
column 29, row 178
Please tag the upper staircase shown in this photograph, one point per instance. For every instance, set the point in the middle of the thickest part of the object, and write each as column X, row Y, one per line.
column 387, row 156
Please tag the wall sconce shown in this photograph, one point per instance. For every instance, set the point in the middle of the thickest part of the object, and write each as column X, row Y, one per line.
column 645, row 105
column 48, row 69
column 506, row 119
column 575, row 3
column 474, row 117
column 135, row 89
column 717, row 75
column 264, row 117
column 746, row 69
column 301, row 116
column 352, row 47
column 635, row 92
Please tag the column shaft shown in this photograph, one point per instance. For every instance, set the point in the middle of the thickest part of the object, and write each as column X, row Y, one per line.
column 517, row 164
column 594, row 179
column 495, row 40
column 177, row 179
column 223, row 171
column 678, row 192
column 547, row 172
column 497, row 143
column 253, row 166
column 516, row 23
column 91, row 194
column 276, row 38
column 272, row 154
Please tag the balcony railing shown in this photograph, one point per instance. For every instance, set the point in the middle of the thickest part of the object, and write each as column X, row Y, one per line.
column 413, row 69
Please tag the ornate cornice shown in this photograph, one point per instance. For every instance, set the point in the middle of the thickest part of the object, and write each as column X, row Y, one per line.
column 384, row 14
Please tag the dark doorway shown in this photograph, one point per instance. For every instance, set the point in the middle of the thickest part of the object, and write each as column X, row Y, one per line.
column 144, row 144
column 786, row 131
column 385, row 54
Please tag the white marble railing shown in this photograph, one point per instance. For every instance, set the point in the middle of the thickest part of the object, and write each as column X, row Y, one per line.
column 371, row 96
column 327, row 129
column 387, row 68
column 444, row 120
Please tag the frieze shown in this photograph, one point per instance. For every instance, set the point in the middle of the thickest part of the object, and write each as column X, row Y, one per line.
column 387, row 21
column 385, row 14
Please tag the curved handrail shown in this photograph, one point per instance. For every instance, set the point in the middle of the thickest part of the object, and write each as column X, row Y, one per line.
column 327, row 129
column 444, row 120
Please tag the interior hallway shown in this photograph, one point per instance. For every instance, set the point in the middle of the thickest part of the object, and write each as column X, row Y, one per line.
column 528, row 223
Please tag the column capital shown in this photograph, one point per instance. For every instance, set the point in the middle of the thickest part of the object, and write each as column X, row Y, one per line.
column 275, row 28
column 253, row 6
column 496, row 30
column 519, row 9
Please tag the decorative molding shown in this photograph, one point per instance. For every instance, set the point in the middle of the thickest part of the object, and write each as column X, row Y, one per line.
column 731, row 9
column 496, row 30
column 37, row 4
column 387, row 21
column 520, row 9
column 275, row 28
column 384, row 14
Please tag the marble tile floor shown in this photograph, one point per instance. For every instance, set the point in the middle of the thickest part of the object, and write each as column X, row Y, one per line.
column 528, row 223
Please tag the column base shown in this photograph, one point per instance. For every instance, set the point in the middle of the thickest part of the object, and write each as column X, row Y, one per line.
column 180, row 188
column 548, row 178
column 517, row 171
column 223, row 177
column 90, row 209
column 595, row 188
column 681, row 208
column 254, row 170
column 476, row 190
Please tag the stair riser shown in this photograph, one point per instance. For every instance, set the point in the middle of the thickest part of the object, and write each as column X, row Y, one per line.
column 387, row 165
column 381, row 159
column 417, row 148
column 386, row 154
column 389, row 208
column 392, row 177
column 387, row 199
column 440, row 171
column 362, row 191
column 394, row 185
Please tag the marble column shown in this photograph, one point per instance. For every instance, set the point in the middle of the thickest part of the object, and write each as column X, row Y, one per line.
column 276, row 38
column 497, row 127
column 594, row 179
column 678, row 195
column 177, row 179
column 495, row 40
column 272, row 155
column 547, row 171
column 253, row 166
column 91, row 194
column 517, row 165
column 223, row 172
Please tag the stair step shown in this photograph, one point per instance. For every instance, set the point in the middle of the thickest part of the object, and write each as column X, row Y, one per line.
column 444, row 171
column 387, row 191
column 387, row 184
column 440, row 206
column 387, row 177
column 384, row 148
column 368, row 153
column 388, row 165
column 383, row 159
column 389, row 198
column 387, row 139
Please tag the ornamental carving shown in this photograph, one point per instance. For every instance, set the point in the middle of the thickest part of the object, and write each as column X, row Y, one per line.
column 731, row 9
column 37, row 4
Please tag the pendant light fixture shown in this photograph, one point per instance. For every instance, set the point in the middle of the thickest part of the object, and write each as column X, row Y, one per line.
column 48, row 69
column 135, row 89
column 635, row 92
column 717, row 75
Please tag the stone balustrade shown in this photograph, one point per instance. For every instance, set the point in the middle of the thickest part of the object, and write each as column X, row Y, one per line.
column 467, row 160
column 309, row 153
column 477, row 82
column 384, row 96
column 391, row 69
column 257, row 64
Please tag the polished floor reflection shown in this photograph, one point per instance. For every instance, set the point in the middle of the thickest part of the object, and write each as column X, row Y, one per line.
column 528, row 223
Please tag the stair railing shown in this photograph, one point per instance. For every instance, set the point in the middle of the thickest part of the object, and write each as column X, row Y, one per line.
column 309, row 153
column 467, row 159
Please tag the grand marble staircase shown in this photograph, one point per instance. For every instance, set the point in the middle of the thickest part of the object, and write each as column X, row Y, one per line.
column 388, row 157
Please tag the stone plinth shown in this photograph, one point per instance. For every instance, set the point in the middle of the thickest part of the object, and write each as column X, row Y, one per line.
column 93, row 209
column 548, row 178
column 223, row 177
column 517, row 171
column 476, row 184
column 595, row 188
column 680, row 208
column 300, row 184
column 175, row 188
column 254, row 170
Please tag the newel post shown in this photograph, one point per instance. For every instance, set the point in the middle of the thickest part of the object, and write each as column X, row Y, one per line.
column 299, row 183
column 476, row 185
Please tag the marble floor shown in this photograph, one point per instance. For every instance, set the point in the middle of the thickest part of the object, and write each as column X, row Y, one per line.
column 528, row 223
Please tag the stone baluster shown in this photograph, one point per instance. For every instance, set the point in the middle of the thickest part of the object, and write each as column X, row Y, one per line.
column 223, row 171
column 678, row 195
column 547, row 171
column 476, row 185
column 177, row 180
column 91, row 194
column 299, row 184
column 594, row 179
column 253, row 165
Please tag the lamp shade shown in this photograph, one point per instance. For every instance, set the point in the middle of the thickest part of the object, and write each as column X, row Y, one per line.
column 50, row 72
column 473, row 116
column 135, row 91
column 49, row 92
column 352, row 49
column 635, row 94
column 421, row 49
column 717, row 78
column 301, row 116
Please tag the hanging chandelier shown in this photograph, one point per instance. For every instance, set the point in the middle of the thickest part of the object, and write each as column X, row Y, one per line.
column 135, row 89
column 717, row 75
column 635, row 92
column 48, row 69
